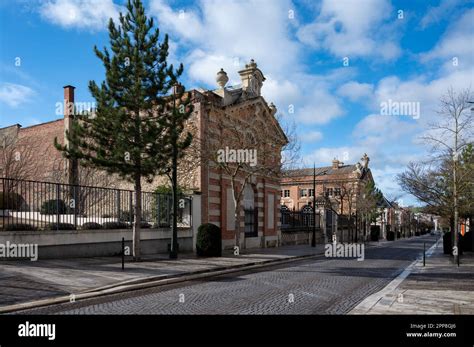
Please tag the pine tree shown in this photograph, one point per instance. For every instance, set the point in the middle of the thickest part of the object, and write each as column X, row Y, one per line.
column 136, row 131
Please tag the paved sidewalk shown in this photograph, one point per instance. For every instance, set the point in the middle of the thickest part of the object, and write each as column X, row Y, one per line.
column 440, row 287
column 25, row 281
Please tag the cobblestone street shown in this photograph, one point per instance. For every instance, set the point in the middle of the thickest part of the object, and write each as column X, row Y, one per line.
column 316, row 286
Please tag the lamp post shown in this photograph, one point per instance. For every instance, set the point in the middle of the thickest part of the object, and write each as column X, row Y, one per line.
column 313, row 239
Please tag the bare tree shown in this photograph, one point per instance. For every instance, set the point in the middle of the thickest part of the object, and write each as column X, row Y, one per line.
column 346, row 198
column 16, row 157
column 244, row 146
column 449, row 136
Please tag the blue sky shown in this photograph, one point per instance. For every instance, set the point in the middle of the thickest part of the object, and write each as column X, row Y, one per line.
column 404, row 51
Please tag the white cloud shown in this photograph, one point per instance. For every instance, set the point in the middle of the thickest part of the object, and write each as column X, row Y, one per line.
column 15, row 94
column 457, row 41
column 356, row 91
column 436, row 14
column 228, row 34
column 421, row 89
column 323, row 156
column 184, row 22
column 232, row 30
column 384, row 128
column 321, row 108
column 311, row 136
column 346, row 28
column 82, row 14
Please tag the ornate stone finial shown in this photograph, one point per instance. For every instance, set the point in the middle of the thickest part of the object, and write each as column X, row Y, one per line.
column 272, row 108
column 222, row 78
column 365, row 161
column 251, row 65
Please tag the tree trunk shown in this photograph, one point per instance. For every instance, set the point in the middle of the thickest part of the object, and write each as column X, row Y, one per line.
column 237, row 227
column 456, row 211
column 137, row 219
column 174, row 225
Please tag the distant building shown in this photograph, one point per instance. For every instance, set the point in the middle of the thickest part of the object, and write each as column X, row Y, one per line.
column 341, row 184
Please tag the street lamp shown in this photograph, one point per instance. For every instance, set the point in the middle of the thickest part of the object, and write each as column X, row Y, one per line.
column 313, row 239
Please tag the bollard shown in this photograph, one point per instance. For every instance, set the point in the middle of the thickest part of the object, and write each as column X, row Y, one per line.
column 424, row 253
column 123, row 253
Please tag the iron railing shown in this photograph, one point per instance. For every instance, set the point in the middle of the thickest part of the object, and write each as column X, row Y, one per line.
column 298, row 220
column 34, row 205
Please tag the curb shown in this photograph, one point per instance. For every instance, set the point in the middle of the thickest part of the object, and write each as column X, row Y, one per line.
column 365, row 306
column 155, row 281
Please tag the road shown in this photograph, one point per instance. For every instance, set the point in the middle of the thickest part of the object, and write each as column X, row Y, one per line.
column 313, row 286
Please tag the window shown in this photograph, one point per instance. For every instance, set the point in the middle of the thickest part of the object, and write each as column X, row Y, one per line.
column 337, row 191
column 251, row 222
column 329, row 191
column 310, row 192
column 303, row 192
column 286, row 193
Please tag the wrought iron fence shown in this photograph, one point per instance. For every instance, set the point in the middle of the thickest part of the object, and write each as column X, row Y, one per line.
column 34, row 205
column 298, row 220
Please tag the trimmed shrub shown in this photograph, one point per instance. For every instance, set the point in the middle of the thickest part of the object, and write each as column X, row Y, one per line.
column 126, row 216
column 374, row 232
column 20, row 227
column 115, row 225
column 467, row 242
column 11, row 201
column 390, row 236
column 447, row 242
column 91, row 226
column 53, row 207
column 209, row 241
column 60, row 226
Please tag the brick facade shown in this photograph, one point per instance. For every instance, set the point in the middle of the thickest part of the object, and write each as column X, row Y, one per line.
column 243, row 103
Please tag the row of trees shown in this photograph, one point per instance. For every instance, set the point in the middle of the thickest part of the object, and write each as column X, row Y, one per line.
column 444, row 181
column 359, row 203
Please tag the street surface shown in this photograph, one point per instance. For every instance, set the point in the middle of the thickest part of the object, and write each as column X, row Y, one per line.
column 315, row 286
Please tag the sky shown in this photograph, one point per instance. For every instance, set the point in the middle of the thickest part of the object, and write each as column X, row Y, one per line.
column 333, row 68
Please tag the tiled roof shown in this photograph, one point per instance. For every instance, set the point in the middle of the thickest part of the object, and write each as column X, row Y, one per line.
column 327, row 170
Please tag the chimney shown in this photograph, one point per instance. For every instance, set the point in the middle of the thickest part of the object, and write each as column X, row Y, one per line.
column 252, row 79
column 72, row 164
column 335, row 164
column 68, row 99
column 68, row 110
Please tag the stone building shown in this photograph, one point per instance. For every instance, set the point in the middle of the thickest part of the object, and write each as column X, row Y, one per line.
column 242, row 105
column 342, row 184
column 339, row 195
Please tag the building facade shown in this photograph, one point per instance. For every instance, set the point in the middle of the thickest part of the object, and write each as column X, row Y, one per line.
column 240, row 110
